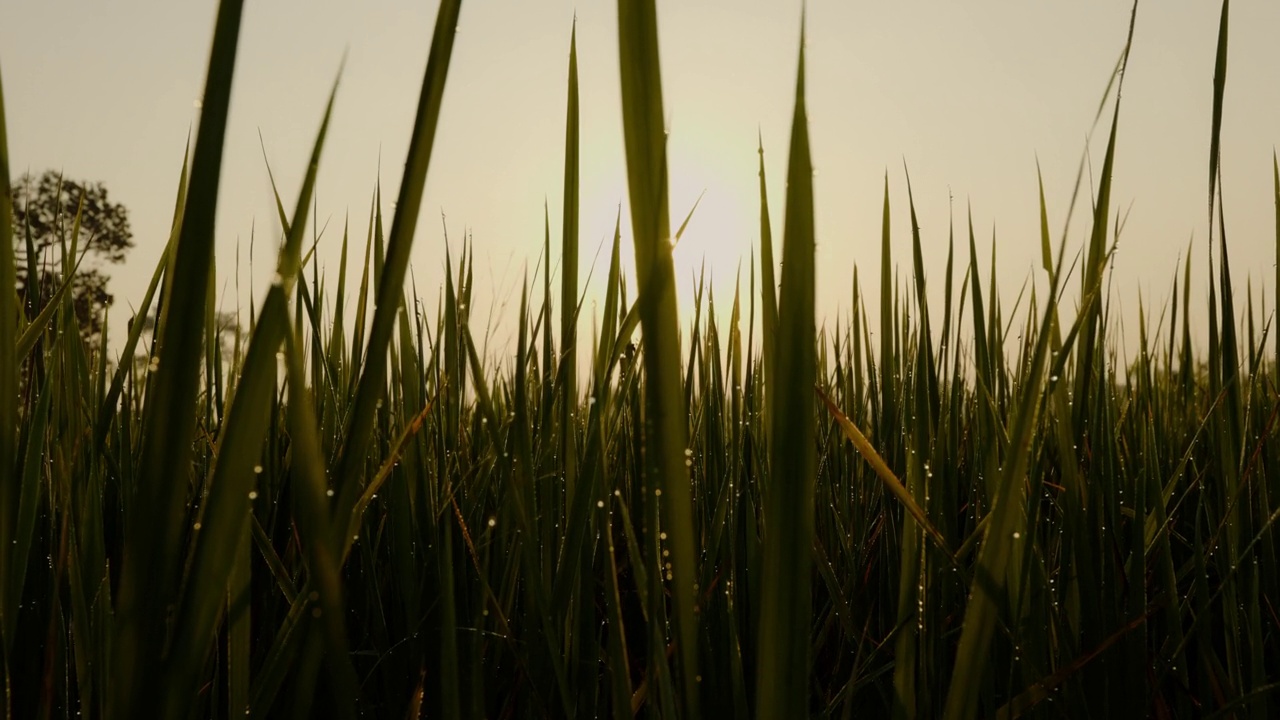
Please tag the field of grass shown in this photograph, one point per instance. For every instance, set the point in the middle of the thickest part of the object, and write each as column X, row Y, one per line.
column 353, row 511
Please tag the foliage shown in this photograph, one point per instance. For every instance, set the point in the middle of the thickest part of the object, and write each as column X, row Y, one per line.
column 45, row 210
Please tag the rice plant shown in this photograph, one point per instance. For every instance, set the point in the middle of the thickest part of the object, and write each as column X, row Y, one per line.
column 356, row 510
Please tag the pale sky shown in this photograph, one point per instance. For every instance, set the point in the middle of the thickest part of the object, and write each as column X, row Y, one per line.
column 968, row 95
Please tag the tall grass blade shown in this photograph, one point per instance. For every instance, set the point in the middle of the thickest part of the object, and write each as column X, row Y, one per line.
column 999, row 573
column 388, row 301
column 224, row 516
column 323, row 563
column 1219, row 91
column 569, row 276
column 769, row 284
column 886, row 475
column 152, row 558
column 27, row 478
column 666, row 433
column 37, row 326
column 9, row 486
column 110, row 402
column 785, row 604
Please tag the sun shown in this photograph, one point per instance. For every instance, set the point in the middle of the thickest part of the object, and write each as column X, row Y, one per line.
column 712, row 186
column 715, row 194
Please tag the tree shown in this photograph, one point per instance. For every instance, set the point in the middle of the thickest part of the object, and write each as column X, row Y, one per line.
column 44, row 212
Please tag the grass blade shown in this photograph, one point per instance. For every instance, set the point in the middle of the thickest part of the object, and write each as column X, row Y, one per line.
column 769, row 284
column 8, row 389
column 29, row 473
column 152, row 562
column 109, row 404
column 224, row 516
column 882, row 470
column 372, row 383
column 1219, row 91
column 785, row 606
column 666, row 436
column 569, row 276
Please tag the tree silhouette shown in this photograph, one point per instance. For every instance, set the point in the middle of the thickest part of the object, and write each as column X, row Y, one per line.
column 44, row 215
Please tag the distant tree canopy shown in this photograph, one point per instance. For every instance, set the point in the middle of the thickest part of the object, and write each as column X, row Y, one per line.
column 44, row 216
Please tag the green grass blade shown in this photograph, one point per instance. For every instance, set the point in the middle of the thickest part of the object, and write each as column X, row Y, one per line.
column 1004, row 541
column 569, row 277
column 240, row 624
column 1219, row 91
column 631, row 320
column 769, row 284
column 1096, row 253
column 606, row 355
column 371, row 490
column 224, row 516
column 28, row 499
column 314, row 527
column 888, row 411
column 666, row 434
column 372, row 383
column 8, row 333
column 152, row 561
column 9, row 492
column 785, row 610
column 110, row 403
column 40, row 323
column 281, row 656
column 925, row 338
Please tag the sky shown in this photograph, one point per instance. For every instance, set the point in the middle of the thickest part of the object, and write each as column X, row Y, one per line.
column 965, row 97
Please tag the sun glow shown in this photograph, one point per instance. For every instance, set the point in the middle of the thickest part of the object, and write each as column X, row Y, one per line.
column 714, row 189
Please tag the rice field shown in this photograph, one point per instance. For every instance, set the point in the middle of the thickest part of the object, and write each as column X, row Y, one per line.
column 959, row 511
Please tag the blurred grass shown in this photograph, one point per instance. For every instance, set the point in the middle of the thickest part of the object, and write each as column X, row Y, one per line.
column 988, row 511
column 151, row 565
